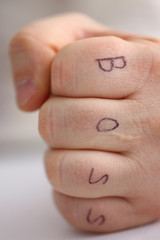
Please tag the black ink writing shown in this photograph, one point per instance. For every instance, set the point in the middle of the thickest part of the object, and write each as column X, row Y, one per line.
column 104, row 177
column 102, row 125
column 108, row 64
column 100, row 220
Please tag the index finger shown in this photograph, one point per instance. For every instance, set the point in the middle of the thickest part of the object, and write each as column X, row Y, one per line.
column 33, row 49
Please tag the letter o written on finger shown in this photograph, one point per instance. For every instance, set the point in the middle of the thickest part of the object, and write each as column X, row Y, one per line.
column 107, row 124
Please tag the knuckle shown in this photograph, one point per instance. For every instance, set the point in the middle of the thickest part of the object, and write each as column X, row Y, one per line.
column 116, row 43
column 115, row 40
column 54, row 161
column 51, row 160
column 62, row 71
column 49, row 168
column 44, row 122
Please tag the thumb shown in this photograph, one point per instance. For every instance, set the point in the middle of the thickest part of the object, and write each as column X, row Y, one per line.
column 33, row 49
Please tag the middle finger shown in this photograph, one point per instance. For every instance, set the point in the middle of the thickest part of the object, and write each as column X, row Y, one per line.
column 89, row 123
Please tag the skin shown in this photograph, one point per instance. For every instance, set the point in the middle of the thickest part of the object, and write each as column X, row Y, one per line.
column 58, row 56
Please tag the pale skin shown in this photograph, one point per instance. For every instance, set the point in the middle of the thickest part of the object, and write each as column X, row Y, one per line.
column 101, row 120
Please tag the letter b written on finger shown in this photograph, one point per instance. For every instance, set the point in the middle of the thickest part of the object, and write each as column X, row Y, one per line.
column 108, row 64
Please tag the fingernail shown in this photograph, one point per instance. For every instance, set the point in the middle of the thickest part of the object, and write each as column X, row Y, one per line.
column 25, row 89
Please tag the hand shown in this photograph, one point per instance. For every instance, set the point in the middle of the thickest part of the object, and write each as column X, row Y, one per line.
column 103, row 126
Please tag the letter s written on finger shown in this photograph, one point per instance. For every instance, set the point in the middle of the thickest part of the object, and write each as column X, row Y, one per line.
column 100, row 220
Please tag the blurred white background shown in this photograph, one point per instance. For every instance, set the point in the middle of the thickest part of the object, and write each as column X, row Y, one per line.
column 25, row 202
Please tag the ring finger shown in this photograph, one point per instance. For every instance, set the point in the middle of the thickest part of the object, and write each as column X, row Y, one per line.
column 92, row 174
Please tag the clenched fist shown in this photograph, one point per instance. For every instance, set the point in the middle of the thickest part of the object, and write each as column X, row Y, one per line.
column 101, row 120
